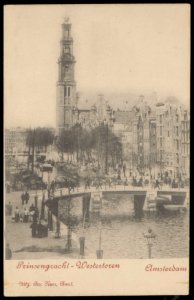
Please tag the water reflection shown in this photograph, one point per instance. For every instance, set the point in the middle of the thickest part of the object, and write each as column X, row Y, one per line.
column 122, row 233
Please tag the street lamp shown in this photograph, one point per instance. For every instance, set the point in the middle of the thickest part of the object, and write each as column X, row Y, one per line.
column 106, row 123
column 58, row 225
column 99, row 252
column 150, row 237
column 69, row 235
column 106, row 154
column 48, row 184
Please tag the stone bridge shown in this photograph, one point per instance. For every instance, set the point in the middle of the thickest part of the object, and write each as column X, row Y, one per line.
column 84, row 202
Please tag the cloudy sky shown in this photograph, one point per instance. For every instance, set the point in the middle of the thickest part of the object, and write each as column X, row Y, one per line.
column 118, row 48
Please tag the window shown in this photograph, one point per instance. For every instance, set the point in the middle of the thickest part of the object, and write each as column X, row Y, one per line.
column 168, row 133
column 160, row 119
column 177, row 131
column 177, row 145
column 161, row 155
column 67, row 91
column 160, row 142
column 160, row 130
column 177, row 118
column 66, row 33
column 66, row 50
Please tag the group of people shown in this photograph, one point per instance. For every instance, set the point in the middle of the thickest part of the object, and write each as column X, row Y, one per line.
column 24, row 215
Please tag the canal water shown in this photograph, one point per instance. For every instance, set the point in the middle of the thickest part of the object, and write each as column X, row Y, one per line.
column 122, row 236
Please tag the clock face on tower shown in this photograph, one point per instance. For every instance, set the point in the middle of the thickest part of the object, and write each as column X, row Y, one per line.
column 66, row 50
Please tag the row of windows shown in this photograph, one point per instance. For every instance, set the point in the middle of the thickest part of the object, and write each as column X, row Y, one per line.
column 176, row 118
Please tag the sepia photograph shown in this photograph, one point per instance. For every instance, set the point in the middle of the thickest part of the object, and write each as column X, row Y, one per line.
column 96, row 133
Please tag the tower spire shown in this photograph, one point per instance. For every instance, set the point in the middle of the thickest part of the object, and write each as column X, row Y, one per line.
column 66, row 85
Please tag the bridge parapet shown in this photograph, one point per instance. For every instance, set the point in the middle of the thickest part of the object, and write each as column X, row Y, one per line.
column 79, row 192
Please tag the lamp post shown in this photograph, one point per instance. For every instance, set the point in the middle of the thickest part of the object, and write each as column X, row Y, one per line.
column 106, row 122
column 69, row 242
column 150, row 237
column 99, row 252
column 48, row 184
column 106, row 156
column 82, row 239
column 58, row 225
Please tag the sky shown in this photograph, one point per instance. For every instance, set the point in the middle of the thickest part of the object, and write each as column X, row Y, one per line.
column 118, row 48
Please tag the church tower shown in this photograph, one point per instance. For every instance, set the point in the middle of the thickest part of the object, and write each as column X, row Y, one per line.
column 66, row 85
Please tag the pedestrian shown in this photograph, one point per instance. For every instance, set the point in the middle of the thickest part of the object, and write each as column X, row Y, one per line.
column 31, row 212
column 109, row 182
column 157, row 184
column 86, row 183
column 22, row 217
column 8, row 252
column 8, row 187
column 124, row 169
column 10, row 208
column 26, row 215
column 173, row 183
column 99, row 183
column 134, row 181
column 33, row 226
column 23, row 198
column 32, row 207
column 140, row 182
column 27, row 197
column 17, row 215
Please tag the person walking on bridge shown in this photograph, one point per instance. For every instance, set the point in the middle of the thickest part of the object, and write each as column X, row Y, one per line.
column 124, row 169
column 157, row 184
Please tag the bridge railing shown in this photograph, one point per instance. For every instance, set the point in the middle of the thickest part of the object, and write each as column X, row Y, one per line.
column 106, row 188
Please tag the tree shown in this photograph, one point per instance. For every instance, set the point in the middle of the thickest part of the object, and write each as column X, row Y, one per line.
column 99, row 143
column 108, row 145
column 38, row 137
column 64, row 141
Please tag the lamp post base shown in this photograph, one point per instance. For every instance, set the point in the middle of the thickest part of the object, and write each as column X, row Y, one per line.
column 99, row 254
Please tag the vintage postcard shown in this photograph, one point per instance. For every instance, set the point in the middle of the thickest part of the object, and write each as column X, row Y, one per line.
column 96, row 149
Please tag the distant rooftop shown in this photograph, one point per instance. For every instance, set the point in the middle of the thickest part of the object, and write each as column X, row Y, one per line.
column 123, row 117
